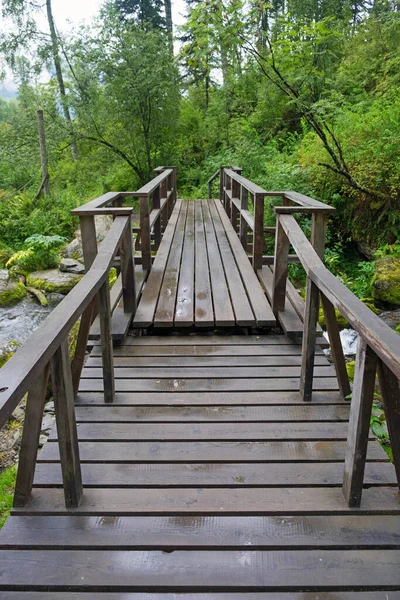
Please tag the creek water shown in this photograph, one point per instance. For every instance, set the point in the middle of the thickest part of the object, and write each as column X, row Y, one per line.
column 19, row 321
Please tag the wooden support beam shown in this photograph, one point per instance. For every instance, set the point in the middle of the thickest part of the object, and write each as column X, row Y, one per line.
column 360, row 416
column 106, row 342
column 63, row 394
column 157, row 224
column 244, row 205
column 336, row 347
column 280, row 269
column 128, row 273
column 81, row 344
column 89, row 240
column 390, row 390
column 258, row 237
column 145, row 233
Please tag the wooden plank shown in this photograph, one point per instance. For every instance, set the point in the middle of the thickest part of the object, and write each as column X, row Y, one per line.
column 189, row 571
column 224, row 315
column 360, row 415
column 202, row 351
column 210, row 431
column 204, row 385
column 261, row 308
column 239, row 501
column 184, row 312
column 209, row 340
column 120, row 320
column 390, row 390
column 125, row 414
column 208, row 373
column 243, row 312
column 165, row 311
column 336, row 347
column 217, row 475
column 186, row 362
column 210, row 452
column 288, row 318
column 207, row 398
column 256, row 533
column 147, row 306
column 207, row 596
column 204, row 315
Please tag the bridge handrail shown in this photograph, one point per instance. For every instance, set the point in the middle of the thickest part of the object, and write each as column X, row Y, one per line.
column 47, row 350
column 379, row 347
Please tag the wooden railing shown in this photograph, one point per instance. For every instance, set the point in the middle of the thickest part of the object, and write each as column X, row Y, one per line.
column 46, row 353
column 378, row 346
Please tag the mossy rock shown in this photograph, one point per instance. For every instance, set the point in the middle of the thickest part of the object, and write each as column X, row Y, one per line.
column 53, row 281
column 12, row 293
column 7, row 350
column 350, row 368
column 341, row 321
column 386, row 280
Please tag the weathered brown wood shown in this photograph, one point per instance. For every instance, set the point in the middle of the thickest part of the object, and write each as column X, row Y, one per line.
column 208, row 596
column 128, row 273
column 389, row 387
column 336, row 347
column 244, row 205
column 224, row 315
column 106, row 343
column 30, row 439
column 309, row 339
column 258, row 232
column 211, row 452
column 204, row 314
column 291, row 348
column 81, row 344
column 360, row 415
column 184, row 362
column 288, row 318
column 280, row 268
column 63, row 394
column 157, row 225
column 89, row 241
column 184, row 310
column 145, row 232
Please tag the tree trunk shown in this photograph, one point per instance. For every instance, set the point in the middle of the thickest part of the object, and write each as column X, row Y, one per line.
column 60, row 78
column 43, row 154
column 170, row 28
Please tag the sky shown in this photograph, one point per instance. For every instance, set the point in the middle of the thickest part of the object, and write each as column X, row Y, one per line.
column 69, row 13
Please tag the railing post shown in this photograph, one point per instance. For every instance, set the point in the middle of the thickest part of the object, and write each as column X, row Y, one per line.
column 222, row 185
column 281, row 254
column 128, row 272
column 30, row 439
column 390, row 390
column 166, row 187
column 63, row 393
column 106, row 342
column 157, row 223
column 258, row 234
column 145, row 233
column 318, row 232
column 234, row 211
column 81, row 343
column 359, row 423
column 244, row 205
column 89, row 240
column 228, row 187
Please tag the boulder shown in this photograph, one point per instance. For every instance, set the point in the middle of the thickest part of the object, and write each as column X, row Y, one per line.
column 74, row 248
column 386, row 280
column 10, row 291
column 69, row 265
column 53, row 281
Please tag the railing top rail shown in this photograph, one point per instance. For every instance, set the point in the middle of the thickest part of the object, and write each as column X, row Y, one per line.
column 253, row 188
column 21, row 371
column 384, row 342
column 213, row 177
column 306, row 201
column 152, row 185
column 97, row 203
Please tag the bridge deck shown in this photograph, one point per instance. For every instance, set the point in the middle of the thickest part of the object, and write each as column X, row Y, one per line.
column 207, row 475
column 201, row 275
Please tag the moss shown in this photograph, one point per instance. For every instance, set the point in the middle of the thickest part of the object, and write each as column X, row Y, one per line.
column 386, row 280
column 14, row 292
column 49, row 287
column 5, row 255
column 7, row 484
column 369, row 302
column 112, row 276
column 73, row 338
column 350, row 368
column 341, row 321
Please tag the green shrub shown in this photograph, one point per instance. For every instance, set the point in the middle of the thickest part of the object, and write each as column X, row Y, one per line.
column 41, row 252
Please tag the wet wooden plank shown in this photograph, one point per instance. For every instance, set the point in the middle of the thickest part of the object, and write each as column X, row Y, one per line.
column 261, row 308
column 125, row 414
column 202, row 502
column 243, row 312
column 207, row 373
column 217, row 475
column 211, row 451
column 204, row 385
column 288, row 318
column 256, row 533
column 224, row 315
column 188, row 571
column 196, row 351
column 209, row 340
column 164, row 316
column 147, row 306
column 204, row 315
column 318, row 595
column 207, row 398
column 210, row 431
column 184, row 311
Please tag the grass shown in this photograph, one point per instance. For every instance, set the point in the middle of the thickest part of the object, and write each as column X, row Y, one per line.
column 7, row 484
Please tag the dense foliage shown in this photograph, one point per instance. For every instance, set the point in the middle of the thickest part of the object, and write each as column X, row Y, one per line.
column 303, row 95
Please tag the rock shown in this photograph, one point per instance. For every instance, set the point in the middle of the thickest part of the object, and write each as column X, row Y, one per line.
column 40, row 297
column 7, row 349
column 367, row 250
column 386, row 280
column 53, row 280
column 341, row 321
column 10, row 291
column 19, row 414
column 74, row 248
column 69, row 265
column 47, row 422
column 49, row 407
column 42, row 439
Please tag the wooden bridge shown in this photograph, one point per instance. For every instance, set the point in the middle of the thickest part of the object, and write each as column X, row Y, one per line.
column 205, row 447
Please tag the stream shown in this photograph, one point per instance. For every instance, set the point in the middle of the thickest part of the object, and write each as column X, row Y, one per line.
column 19, row 321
